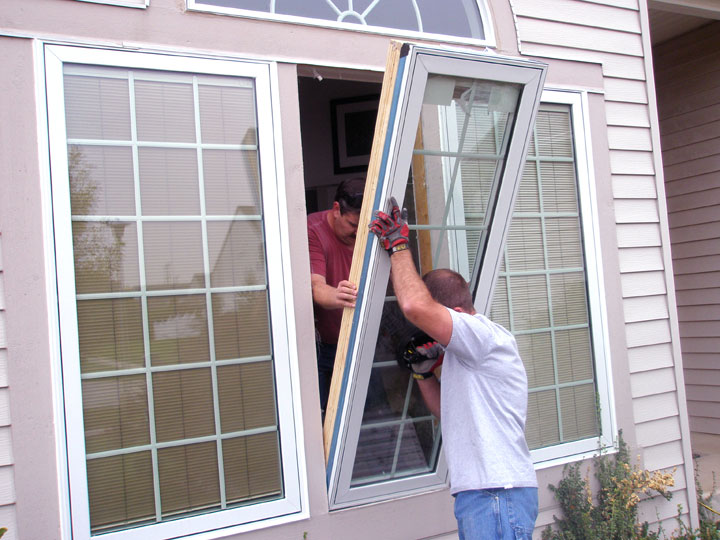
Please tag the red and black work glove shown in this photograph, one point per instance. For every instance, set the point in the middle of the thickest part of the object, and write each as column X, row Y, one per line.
column 422, row 355
column 392, row 229
column 433, row 354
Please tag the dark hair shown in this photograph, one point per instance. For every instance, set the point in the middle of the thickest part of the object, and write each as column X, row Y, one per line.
column 449, row 288
column 349, row 194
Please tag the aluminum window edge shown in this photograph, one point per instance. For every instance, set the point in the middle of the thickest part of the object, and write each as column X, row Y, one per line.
column 375, row 268
column 512, row 175
column 284, row 230
column 67, row 320
column 53, row 316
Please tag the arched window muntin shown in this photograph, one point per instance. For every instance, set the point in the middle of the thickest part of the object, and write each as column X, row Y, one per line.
column 485, row 21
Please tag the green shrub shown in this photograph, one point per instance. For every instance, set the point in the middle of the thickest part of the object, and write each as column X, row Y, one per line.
column 612, row 513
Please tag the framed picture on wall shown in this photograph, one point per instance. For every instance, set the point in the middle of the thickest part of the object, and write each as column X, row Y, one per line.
column 353, row 126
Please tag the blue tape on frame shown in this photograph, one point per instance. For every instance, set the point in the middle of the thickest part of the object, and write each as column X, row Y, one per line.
column 366, row 262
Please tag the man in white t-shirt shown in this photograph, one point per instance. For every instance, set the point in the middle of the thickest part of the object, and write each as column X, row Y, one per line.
column 482, row 401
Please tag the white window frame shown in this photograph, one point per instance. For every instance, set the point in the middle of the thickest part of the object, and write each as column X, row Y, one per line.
column 559, row 454
column 414, row 68
column 485, row 15
column 294, row 505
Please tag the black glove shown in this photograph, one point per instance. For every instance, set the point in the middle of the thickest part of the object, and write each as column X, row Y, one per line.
column 422, row 355
column 392, row 229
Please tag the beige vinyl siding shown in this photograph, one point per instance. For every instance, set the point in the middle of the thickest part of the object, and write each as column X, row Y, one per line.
column 7, row 482
column 610, row 33
column 689, row 110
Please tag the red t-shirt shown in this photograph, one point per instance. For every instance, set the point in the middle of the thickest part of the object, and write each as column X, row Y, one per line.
column 331, row 258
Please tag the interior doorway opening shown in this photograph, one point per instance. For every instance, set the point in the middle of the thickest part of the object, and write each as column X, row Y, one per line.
column 337, row 115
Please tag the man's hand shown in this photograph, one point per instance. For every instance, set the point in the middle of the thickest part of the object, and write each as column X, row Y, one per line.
column 434, row 353
column 392, row 229
column 342, row 296
column 422, row 355
column 346, row 294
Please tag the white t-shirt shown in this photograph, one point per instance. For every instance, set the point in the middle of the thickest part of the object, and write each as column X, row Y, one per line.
column 484, row 406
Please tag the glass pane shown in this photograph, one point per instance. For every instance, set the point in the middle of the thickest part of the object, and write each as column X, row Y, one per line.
column 121, row 492
column 232, row 183
column 110, row 334
column 173, row 255
column 573, row 361
column 537, row 353
column 178, row 329
column 169, row 181
column 542, row 427
column 459, row 155
column 101, row 180
column 237, row 253
column 252, row 467
column 106, row 256
column 227, row 113
column 189, row 479
column 247, row 396
column 165, row 111
column 183, row 404
column 116, row 413
column 97, row 107
column 241, row 325
column 579, row 412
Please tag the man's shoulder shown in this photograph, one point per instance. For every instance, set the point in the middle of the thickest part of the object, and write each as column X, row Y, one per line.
column 317, row 217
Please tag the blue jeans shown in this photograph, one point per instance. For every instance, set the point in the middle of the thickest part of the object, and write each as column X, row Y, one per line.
column 496, row 514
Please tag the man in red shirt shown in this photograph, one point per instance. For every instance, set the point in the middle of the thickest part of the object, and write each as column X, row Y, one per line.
column 331, row 239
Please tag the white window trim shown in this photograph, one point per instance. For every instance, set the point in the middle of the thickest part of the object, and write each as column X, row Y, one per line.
column 485, row 14
column 142, row 4
column 573, row 451
column 294, row 506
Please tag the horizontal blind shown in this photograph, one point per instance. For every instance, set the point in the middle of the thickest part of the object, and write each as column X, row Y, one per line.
column 176, row 353
column 541, row 295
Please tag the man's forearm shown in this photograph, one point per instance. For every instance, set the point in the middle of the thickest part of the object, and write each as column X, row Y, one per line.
column 430, row 390
column 415, row 300
column 407, row 283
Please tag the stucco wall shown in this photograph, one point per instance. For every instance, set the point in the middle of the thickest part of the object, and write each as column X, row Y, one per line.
column 688, row 79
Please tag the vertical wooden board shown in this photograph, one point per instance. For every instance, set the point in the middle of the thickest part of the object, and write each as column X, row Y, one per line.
column 371, row 182
column 421, row 204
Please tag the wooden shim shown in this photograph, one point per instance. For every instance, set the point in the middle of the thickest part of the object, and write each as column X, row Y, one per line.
column 421, row 204
column 371, row 183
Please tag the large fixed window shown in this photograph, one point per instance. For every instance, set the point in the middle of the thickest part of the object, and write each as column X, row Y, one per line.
column 172, row 282
column 549, row 288
column 449, row 20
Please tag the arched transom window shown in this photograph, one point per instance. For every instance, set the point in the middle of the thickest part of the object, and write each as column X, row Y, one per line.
column 463, row 19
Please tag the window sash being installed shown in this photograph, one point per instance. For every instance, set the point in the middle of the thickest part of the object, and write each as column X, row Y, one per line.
column 429, row 88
